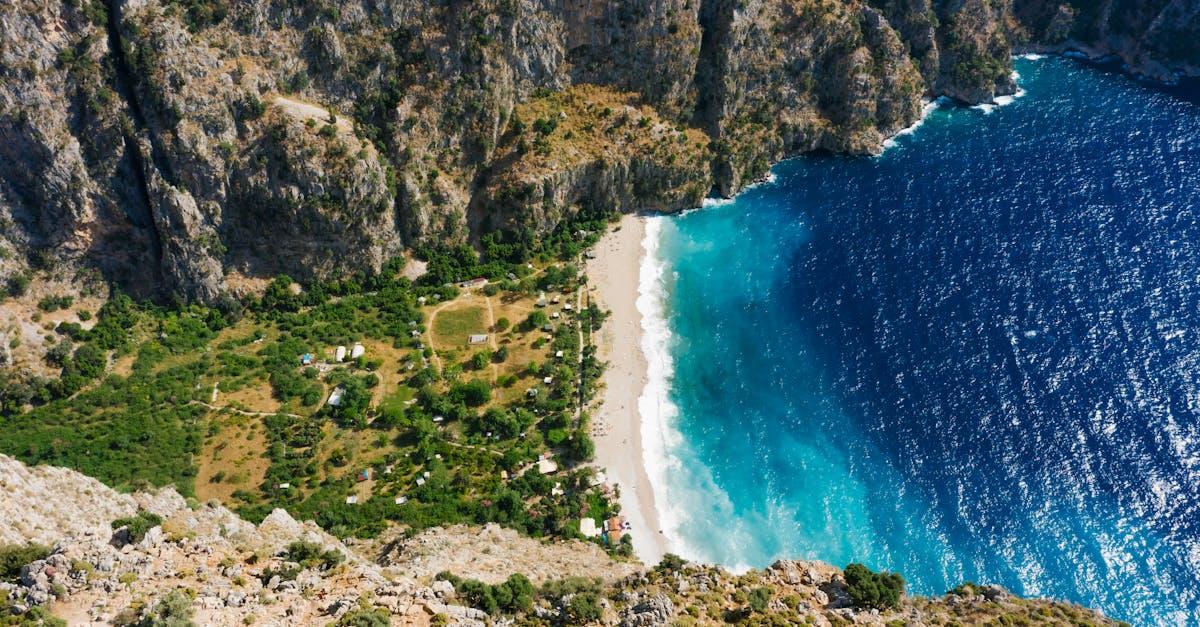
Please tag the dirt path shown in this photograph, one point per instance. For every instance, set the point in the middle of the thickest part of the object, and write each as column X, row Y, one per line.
column 491, row 329
column 260, row 414
column 580, row 321
column 477, row 448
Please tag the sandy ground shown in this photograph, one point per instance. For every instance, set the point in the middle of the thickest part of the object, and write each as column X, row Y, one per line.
column 617, row 426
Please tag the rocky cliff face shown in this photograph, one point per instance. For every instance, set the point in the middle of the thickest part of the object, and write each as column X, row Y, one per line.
column 1159, row 39
column 174, row 146
column 204, row 564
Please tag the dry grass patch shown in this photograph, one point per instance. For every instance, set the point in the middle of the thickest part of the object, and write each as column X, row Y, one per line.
column 232, row 459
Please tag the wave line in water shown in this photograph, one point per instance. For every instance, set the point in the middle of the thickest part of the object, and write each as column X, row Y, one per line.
column 655, row 408
column 929, row 107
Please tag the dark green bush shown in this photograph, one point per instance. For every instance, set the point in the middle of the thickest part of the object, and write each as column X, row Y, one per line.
column 138, row 525
column 365, row 618
column 869, row 589
column 312, row 555
column 15, row 556
column 758, row 598
column 514, row 595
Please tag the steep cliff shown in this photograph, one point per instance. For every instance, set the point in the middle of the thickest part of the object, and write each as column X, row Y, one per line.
column 1159, row 39
column 175, row 146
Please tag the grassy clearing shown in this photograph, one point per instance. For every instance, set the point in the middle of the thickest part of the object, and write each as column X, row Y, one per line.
column 453, row 325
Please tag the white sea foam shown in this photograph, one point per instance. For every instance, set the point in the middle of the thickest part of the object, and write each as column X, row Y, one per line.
column 710, row 203
column 1000, row 101
column 679, row 489
column 930, row 107
column 657, row 412
column 1032, row 56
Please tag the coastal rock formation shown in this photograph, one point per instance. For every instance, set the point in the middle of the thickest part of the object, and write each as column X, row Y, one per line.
column 203, row 562
column 778, row 78
column 176, row 146
column 1159, row 39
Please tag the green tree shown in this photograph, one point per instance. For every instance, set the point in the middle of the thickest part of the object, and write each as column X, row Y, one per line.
column 536, row 320
column 473, row 393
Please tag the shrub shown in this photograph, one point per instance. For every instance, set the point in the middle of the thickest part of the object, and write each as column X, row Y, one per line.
column 18, row 285
column 138, row 525
column 14, row 556
column 869, row 589
column 758, row 598
column 514, row 595
column 584, row 607
column 670, row 562
column 54, row 303
column 312, row 555
column 173, row 610
column 365, row 618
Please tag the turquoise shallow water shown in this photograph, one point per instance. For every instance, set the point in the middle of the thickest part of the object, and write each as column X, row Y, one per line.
column 976, row 357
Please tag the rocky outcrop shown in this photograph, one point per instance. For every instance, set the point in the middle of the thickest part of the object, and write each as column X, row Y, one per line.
column 779, row 78
column 68, row 170
column 235, row 572
column 590, row 149
column 173, row 146
column 493, row 553
column 206, row 564
column 1159, row 39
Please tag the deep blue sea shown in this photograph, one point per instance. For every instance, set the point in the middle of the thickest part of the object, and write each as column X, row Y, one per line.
column 975, row 357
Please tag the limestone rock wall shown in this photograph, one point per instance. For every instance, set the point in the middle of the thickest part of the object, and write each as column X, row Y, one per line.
column 1159, row 39
column 172, row 145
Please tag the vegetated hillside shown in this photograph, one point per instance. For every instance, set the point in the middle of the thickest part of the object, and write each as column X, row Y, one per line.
column 73, row 551
column 178, row 148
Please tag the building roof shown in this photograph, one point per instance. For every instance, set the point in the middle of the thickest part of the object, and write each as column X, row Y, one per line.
column 477, row 338
column 587, row 527
column 335, row 397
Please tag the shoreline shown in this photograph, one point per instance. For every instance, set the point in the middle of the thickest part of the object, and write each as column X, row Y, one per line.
column 617, row 424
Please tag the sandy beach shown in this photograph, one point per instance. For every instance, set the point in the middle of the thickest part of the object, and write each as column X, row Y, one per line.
column 617, row 425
